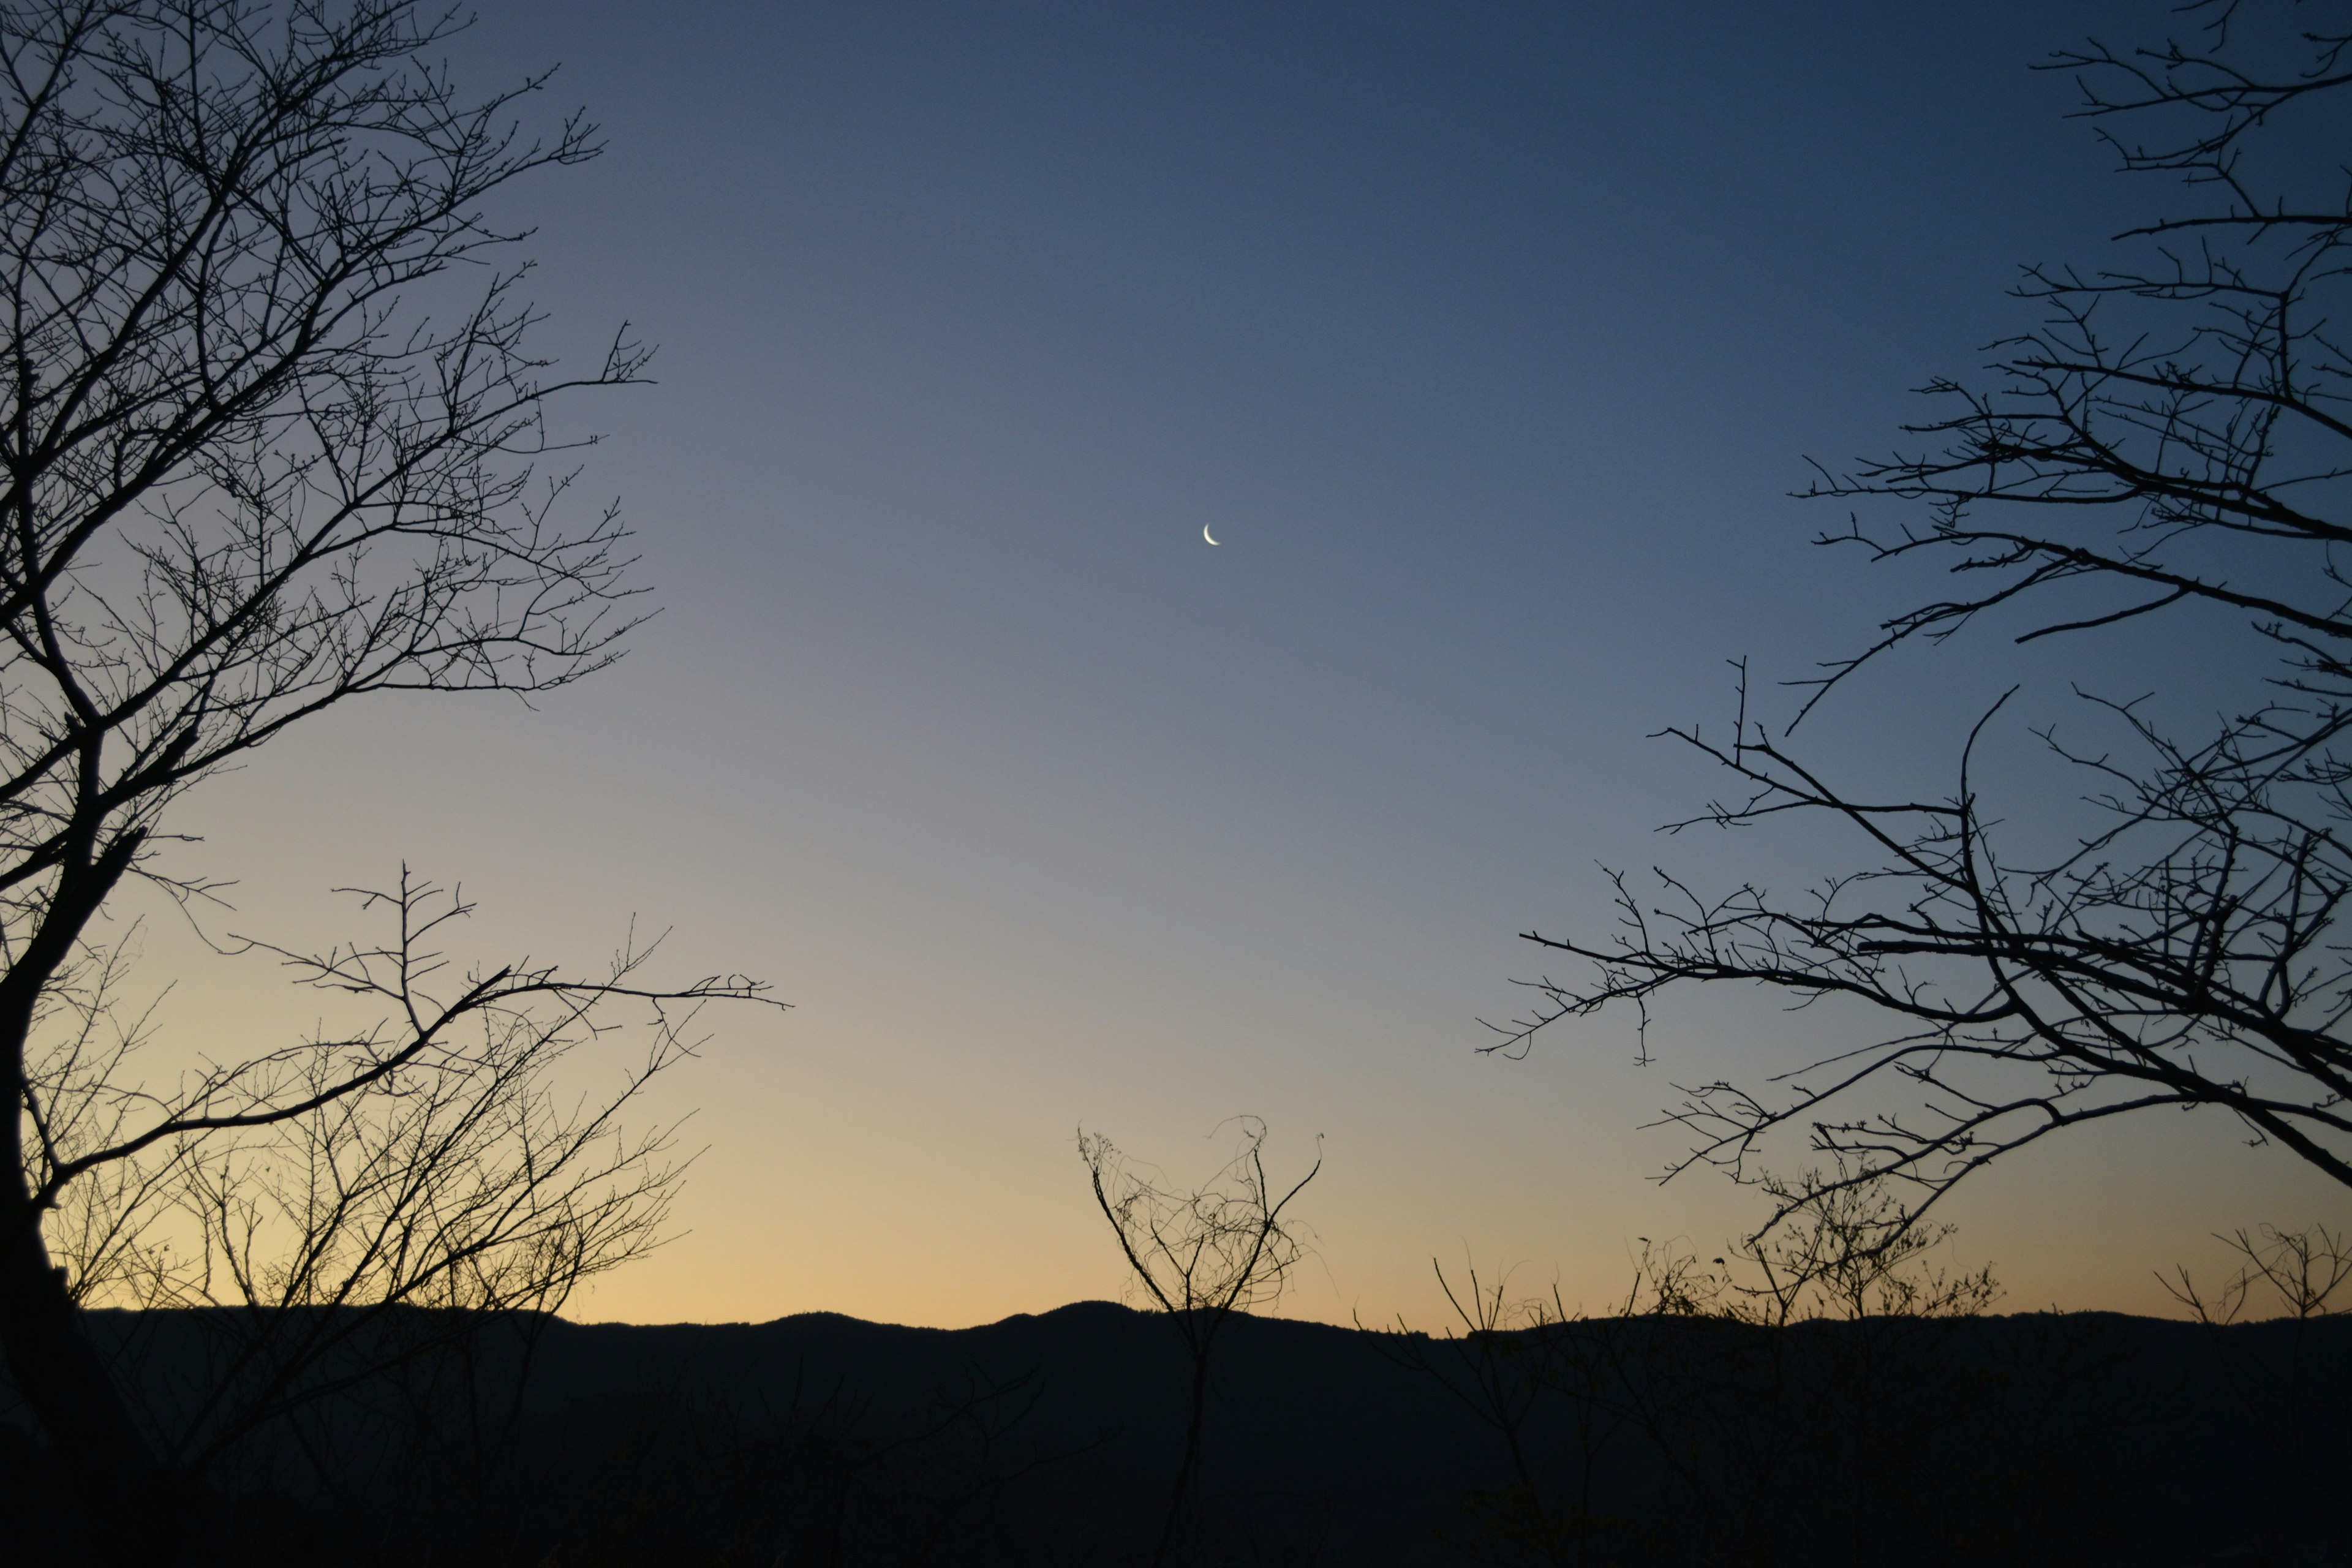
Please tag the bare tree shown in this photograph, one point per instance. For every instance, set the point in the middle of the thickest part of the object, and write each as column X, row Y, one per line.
column 1761, row 1381
column 1509, row 1363
column 2177, row 433
column 1200, row 1255
column 1845, row 1251
column 2301, row 1414
column 2299, row 1271
column 456, row 1180
column 266, row 448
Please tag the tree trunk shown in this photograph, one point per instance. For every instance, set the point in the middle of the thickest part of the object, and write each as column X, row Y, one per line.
column 1187, row 1473
column 99, row 1496
column 56, row 1371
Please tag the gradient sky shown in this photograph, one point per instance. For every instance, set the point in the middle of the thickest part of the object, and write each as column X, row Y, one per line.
column 1489, row 340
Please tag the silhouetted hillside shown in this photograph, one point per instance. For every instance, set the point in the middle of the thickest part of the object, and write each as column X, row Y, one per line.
column 1051, row 1439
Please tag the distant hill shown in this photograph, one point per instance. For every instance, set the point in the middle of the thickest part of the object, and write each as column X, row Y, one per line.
column 1052, row 1438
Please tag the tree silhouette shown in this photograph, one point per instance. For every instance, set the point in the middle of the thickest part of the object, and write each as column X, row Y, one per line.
column 454, row 1179
column 266, row 448
column 1201, row 1256
column 2177, row 433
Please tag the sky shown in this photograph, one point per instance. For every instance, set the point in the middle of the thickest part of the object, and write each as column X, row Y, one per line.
column 1490, row 340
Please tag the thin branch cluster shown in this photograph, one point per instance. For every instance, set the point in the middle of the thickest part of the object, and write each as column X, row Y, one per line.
column 1218, row 1248
column 427, row 1159
column 247, row 473
column 1200, row 1257
column 273, row 435
column 2176, row 433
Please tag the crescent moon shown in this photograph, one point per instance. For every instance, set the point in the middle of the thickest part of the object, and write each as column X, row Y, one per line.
column 1204, row 532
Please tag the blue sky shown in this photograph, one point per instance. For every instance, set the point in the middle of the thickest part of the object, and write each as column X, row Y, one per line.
column 1489, row 340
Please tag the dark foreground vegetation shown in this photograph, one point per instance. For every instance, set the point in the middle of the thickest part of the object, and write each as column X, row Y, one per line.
column 2045, row 1438
column 275, row 439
